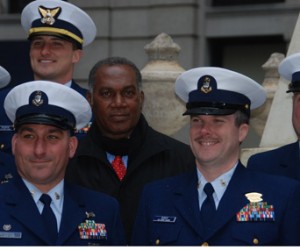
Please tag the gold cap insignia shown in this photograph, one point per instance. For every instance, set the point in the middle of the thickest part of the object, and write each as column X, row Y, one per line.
column 37, row 101
column 49, row 15
column 206, row 88
column 254, row 197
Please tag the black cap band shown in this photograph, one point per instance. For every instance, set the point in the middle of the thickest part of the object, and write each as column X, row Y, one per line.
column 294, row 87
column 215, row 108
column 56, row 121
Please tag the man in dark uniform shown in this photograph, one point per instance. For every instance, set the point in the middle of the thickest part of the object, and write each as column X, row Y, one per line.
column 284, row 160
column 6, row 160
column 38, row 207
column 221, row 203
column 57, row 31
column 120, row 131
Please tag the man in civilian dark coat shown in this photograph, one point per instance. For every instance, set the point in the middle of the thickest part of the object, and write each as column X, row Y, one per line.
column 119, row 128
column 284, row 160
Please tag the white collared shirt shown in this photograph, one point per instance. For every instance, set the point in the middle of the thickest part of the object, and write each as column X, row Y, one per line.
column 57, row 195
column 219, row 184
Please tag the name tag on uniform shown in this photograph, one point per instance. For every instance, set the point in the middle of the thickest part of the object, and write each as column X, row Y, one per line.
column 10, row 235
column 7, row 128
column 164, row 219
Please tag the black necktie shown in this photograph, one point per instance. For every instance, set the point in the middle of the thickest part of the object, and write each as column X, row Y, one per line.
column 49, row 217
column 208, row 208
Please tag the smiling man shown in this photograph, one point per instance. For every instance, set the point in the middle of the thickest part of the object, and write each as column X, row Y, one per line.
column 57, row 31
column 221, row 203
column 38, row 207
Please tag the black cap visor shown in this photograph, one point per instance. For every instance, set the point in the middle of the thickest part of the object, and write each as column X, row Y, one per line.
column 215, row 108
column 294, row 87
column 56, row 121
column 209, row 111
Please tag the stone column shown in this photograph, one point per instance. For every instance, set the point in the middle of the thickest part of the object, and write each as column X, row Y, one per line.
column 162, row 109
column 259, row 116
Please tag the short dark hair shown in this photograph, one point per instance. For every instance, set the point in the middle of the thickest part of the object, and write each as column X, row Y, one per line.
column 111, row 61
column 241, row 118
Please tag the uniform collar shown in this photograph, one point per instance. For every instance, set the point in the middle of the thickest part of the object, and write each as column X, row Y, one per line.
column 219, row 184
column 56, row 193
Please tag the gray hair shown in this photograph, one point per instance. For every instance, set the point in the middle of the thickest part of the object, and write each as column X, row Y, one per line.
column 111, row 61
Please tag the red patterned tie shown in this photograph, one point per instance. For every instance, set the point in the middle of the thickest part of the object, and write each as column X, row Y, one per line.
column 119, row 167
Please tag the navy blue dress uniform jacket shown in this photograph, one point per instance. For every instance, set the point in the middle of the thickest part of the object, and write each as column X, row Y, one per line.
column 6, row 160
column 284, row 161
column 6, row 126
column 169, row 212
column 21, row 222
column 7, row 167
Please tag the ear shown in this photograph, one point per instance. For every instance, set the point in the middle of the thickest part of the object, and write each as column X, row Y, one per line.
column 13, row 143
column 77, row 54
column 142, row 97
column 243, row 132
column 89, row 97
column 73, row 143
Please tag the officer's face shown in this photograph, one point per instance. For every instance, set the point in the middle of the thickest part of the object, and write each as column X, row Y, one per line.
column 296, row 113
column 116, row 100
column 215, row 141
column 53, row 58
column 42, row 153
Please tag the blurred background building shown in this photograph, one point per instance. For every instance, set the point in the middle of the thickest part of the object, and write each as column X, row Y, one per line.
column 235, row 34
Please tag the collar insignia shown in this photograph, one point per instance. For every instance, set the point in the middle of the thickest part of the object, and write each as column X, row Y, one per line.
column 49, row 15
column 206, row 88
column 57, row 196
